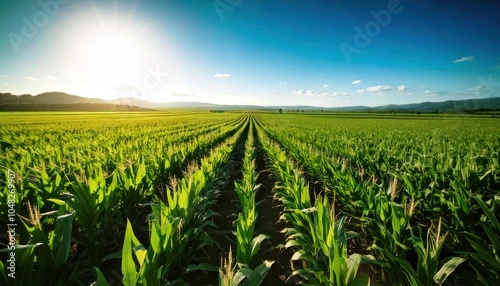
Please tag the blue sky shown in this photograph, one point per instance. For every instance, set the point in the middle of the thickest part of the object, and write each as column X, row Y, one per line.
column 282, row 52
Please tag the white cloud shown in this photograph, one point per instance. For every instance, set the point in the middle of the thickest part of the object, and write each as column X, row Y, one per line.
column 309, row 92
column 465, row 59
column 31, row 78
column 222, row 75
column 358, row 81
column 497, row 67
column 326, row 86
column 283, row 83
column 313, row 93
column 379, row 89
column 403, row 88
column 340, row 94
column 376, row 88
column 434, row 93
column 4, row 76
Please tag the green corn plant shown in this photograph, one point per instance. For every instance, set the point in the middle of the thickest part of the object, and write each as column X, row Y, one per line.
column 137, row 185
column 322, row 241
column 173, row 226
column 25, row 265
column 177, row 228
column 45, row 253
column 323, row 250
column 228, row 273
column 49, row 185
column 391, row 233
column 234, row 274
column 428, row 271
column 255, row 276
column 485, row 261
column 247, row 244
column 94, row 202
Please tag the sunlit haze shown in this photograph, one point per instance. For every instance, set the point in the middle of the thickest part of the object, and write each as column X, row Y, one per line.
column 320, row 53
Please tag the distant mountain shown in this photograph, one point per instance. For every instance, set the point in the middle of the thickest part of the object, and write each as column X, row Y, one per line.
column 59, row 101
column 39, row 102
column 47, row 98
column 468, row 105
column 182, row 104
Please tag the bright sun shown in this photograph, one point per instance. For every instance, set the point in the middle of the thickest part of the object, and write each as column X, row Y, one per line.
column 110, row 56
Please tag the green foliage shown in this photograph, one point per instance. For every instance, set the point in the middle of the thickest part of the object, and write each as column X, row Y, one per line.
column 319, row 240
column 395, row 175
column 417, row 196
column 485, row 260
column 177, row 226
column 101, row 168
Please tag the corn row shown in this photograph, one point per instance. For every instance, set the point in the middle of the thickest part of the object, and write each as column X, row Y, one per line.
column 249, row 271
column 317, row 235
column 177, row 225
column 391, row 213
column 92, row 203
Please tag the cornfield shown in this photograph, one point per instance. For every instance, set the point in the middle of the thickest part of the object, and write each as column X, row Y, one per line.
column 364, row 199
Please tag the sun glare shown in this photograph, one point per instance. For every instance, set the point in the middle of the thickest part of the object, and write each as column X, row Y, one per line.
column 109, row 55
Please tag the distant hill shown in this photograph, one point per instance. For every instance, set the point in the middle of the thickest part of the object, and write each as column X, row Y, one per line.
column 184, row 104
column 70, row 107
column 468, row 105
column 450, row 106
column 59, row 101
column 47, row 98
column 64, row 101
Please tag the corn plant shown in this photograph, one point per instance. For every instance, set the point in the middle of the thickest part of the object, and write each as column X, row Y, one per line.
column 45, row 253
column 428, row 252
column 94, row 204
column 485, row 260
column 320, row 239
column 247, row 243
column 228, row 274
column 176, row 227
column 323, row 249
